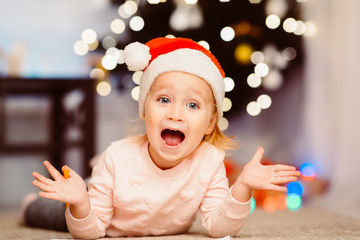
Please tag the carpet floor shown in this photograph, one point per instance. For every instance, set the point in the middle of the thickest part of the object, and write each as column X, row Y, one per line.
column 307, row 223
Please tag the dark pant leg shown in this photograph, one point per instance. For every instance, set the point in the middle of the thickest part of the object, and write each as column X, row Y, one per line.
column 45, row 213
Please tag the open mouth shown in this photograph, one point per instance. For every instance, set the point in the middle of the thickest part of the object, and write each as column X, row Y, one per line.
column 172, row 137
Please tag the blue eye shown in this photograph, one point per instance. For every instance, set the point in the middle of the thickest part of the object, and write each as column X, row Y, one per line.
column 192, row 105
column 164, row 100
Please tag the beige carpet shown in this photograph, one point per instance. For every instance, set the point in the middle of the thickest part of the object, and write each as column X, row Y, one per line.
column 304, row 224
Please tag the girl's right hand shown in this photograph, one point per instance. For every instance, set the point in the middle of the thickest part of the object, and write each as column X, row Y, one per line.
column 71, row 190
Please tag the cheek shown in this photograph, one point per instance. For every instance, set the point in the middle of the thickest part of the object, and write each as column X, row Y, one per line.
column 152, row 117
column 147, row 118
column 200, row 124
column 148, row 110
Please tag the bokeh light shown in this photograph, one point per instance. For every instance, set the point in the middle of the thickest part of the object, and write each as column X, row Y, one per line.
column 153, row 1
column 289, row 53
column 252, row 205
column 121, row 59
column 227, row 34
column 293, row 202
column 223, row 124
column 93, row 46
column 295, row 187
column 270, row 204
column 308, row 171
column 89, row 36
column 109, row 62
column 281, row 202
column 97, row 73
column 243, row 53
column 103, row 88
column 254, row 80
column 278, row 7
column 117, row 26
column 136, row 23
column 253, row 108
column 130, row 7
column 264, row 101
column 81, row 48
column 113, row 51
column 137, row 76
column 108, row 42
column 227, row 104
column 257, row 57
column 135, row 93
column 272, row 201
column 272, row 21
column 279, row 62
column 310, row 29
column 171, row 36
column 127, row 9
column 273, row 80
column 289, row 25
column 191, row 1
column 300, row 28
column 205, row 44
column 261, row 69
column 229, row 84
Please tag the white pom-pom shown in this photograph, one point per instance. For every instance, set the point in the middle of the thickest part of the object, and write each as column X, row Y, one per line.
column 136, row 56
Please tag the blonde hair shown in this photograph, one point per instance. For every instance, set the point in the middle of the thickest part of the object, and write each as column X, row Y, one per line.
column 217, row 137
column 220, row 140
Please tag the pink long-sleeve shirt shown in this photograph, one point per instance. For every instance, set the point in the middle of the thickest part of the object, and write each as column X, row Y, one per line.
column 131, row 196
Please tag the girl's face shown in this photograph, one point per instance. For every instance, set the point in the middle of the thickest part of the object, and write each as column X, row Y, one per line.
column 179, row 111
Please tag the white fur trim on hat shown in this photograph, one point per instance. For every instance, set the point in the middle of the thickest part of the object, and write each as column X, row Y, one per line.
column 184, row 60
column 136, row 56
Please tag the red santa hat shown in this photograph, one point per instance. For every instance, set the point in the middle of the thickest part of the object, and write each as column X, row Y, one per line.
column 161, row 55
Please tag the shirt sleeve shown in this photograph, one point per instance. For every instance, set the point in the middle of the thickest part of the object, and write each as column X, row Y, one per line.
column 221, row 214
column 100, row 193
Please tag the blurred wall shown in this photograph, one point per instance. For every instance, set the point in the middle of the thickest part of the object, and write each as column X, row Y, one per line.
column 332, row 112
column 40, row 34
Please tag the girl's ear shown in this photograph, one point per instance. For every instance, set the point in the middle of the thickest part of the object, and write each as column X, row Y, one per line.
column 211, row 125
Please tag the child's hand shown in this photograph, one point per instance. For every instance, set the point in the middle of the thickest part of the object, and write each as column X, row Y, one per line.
column 256, row 176
column 71, row 190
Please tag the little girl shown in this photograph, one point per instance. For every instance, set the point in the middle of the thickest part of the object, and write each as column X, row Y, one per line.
column 155, row 184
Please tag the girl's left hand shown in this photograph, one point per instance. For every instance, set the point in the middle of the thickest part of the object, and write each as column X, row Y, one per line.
column 256, row 176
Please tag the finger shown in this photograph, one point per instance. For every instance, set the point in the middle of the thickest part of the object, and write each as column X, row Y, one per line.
column 42, row 186
column 287, row 173
column 278, row 188
column 282, row 180
column 72, row 173
column 43, row 179
column 48, row 195
column 53, row 172
column 258, row 154
column 281, row 167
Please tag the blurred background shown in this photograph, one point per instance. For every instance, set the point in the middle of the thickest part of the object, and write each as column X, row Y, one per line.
column 292, row 86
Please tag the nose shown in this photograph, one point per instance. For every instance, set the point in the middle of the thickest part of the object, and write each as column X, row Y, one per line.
column 175, row 113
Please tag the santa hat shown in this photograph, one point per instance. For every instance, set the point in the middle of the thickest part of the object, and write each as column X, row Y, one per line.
column 161, row 55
